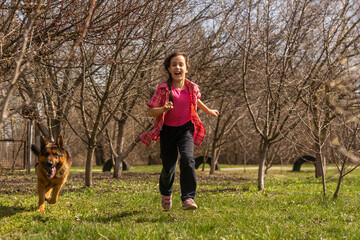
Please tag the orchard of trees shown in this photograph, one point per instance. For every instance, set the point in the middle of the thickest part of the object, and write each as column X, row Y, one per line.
column 284, row 75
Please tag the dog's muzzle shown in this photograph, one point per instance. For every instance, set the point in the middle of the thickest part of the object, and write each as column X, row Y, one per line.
column 50, row 169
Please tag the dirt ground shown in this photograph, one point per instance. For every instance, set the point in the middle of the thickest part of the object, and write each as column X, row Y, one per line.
column 14, row 183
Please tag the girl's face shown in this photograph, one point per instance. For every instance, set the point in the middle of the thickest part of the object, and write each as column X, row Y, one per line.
column 178, row 68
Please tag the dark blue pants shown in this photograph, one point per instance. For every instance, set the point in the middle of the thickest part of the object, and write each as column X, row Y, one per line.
column 174, row 140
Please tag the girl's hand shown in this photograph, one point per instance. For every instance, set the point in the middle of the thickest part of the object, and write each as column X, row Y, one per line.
column 168, row 106
column 211, row 112
column 214, row 112
column 154, row 112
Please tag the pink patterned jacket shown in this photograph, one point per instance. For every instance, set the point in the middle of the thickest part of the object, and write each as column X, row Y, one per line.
column 158, row 100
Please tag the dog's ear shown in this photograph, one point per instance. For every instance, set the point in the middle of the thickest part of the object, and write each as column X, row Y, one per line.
column 35, row 150
column 43, row 142
column 60, row 142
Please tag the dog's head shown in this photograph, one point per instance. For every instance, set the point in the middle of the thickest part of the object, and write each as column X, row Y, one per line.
column 52, row 155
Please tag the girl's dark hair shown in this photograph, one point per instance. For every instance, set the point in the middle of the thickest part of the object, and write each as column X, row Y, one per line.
column 167, row 63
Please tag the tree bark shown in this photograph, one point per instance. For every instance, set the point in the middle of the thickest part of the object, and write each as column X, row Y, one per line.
column 262, row 158
column 88, row 169
column 119, row 148
column 341, row 175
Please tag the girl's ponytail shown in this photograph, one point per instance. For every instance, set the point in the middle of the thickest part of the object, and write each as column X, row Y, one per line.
column 171, row 96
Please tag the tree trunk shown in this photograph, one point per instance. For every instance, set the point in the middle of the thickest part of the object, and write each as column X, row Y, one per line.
column 262, row 158
column 37, row 143
column 117, row 167
column 320, row 163
column 213, row 158
column 341, row 175
column 99, row 155
column 245, row 160
column 323, row 173
column 204, row 162
column 119, row 148
column 336, row 193
column 43, row 129
column 55, row 127
column 88, row 169
column 213, row 145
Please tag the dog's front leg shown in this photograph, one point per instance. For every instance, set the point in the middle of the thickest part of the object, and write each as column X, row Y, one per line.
column 54, row 195
column 41, row 193
column 48, row 193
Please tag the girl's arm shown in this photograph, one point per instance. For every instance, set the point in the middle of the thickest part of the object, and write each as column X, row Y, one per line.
column 154, row 112
column 211, row 112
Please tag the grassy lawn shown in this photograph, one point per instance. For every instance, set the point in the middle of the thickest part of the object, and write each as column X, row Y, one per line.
column 230, row 207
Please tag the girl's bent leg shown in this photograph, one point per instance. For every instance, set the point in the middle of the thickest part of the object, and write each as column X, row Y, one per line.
column 166, row 181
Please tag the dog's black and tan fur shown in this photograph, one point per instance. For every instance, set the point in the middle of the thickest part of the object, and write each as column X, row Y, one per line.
column 53, row 169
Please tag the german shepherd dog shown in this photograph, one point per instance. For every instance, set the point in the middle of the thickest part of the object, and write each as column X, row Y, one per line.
column 53, row 169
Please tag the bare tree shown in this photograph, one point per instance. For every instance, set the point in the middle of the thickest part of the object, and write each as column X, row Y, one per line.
column 31, row 26
column 272, row 83
column 126, row 50
column 336, row 44
column 345, row 143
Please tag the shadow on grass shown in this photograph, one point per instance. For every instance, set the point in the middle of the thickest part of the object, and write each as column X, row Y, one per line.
column 226, row 189
column 43, row 218
column 137, row 216
column 117, row 217
column 158, row 219
column 9, row 211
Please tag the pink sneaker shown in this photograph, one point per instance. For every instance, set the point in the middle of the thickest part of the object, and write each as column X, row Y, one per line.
column 166, row 203
column 189, row 204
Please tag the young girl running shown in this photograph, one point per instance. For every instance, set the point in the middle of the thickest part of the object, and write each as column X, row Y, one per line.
column 178, row 127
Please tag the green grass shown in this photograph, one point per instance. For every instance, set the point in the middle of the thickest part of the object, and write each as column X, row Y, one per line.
column 230, row 207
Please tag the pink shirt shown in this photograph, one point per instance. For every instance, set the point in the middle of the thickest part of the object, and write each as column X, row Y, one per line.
column 158, row 100
column 180, row 114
